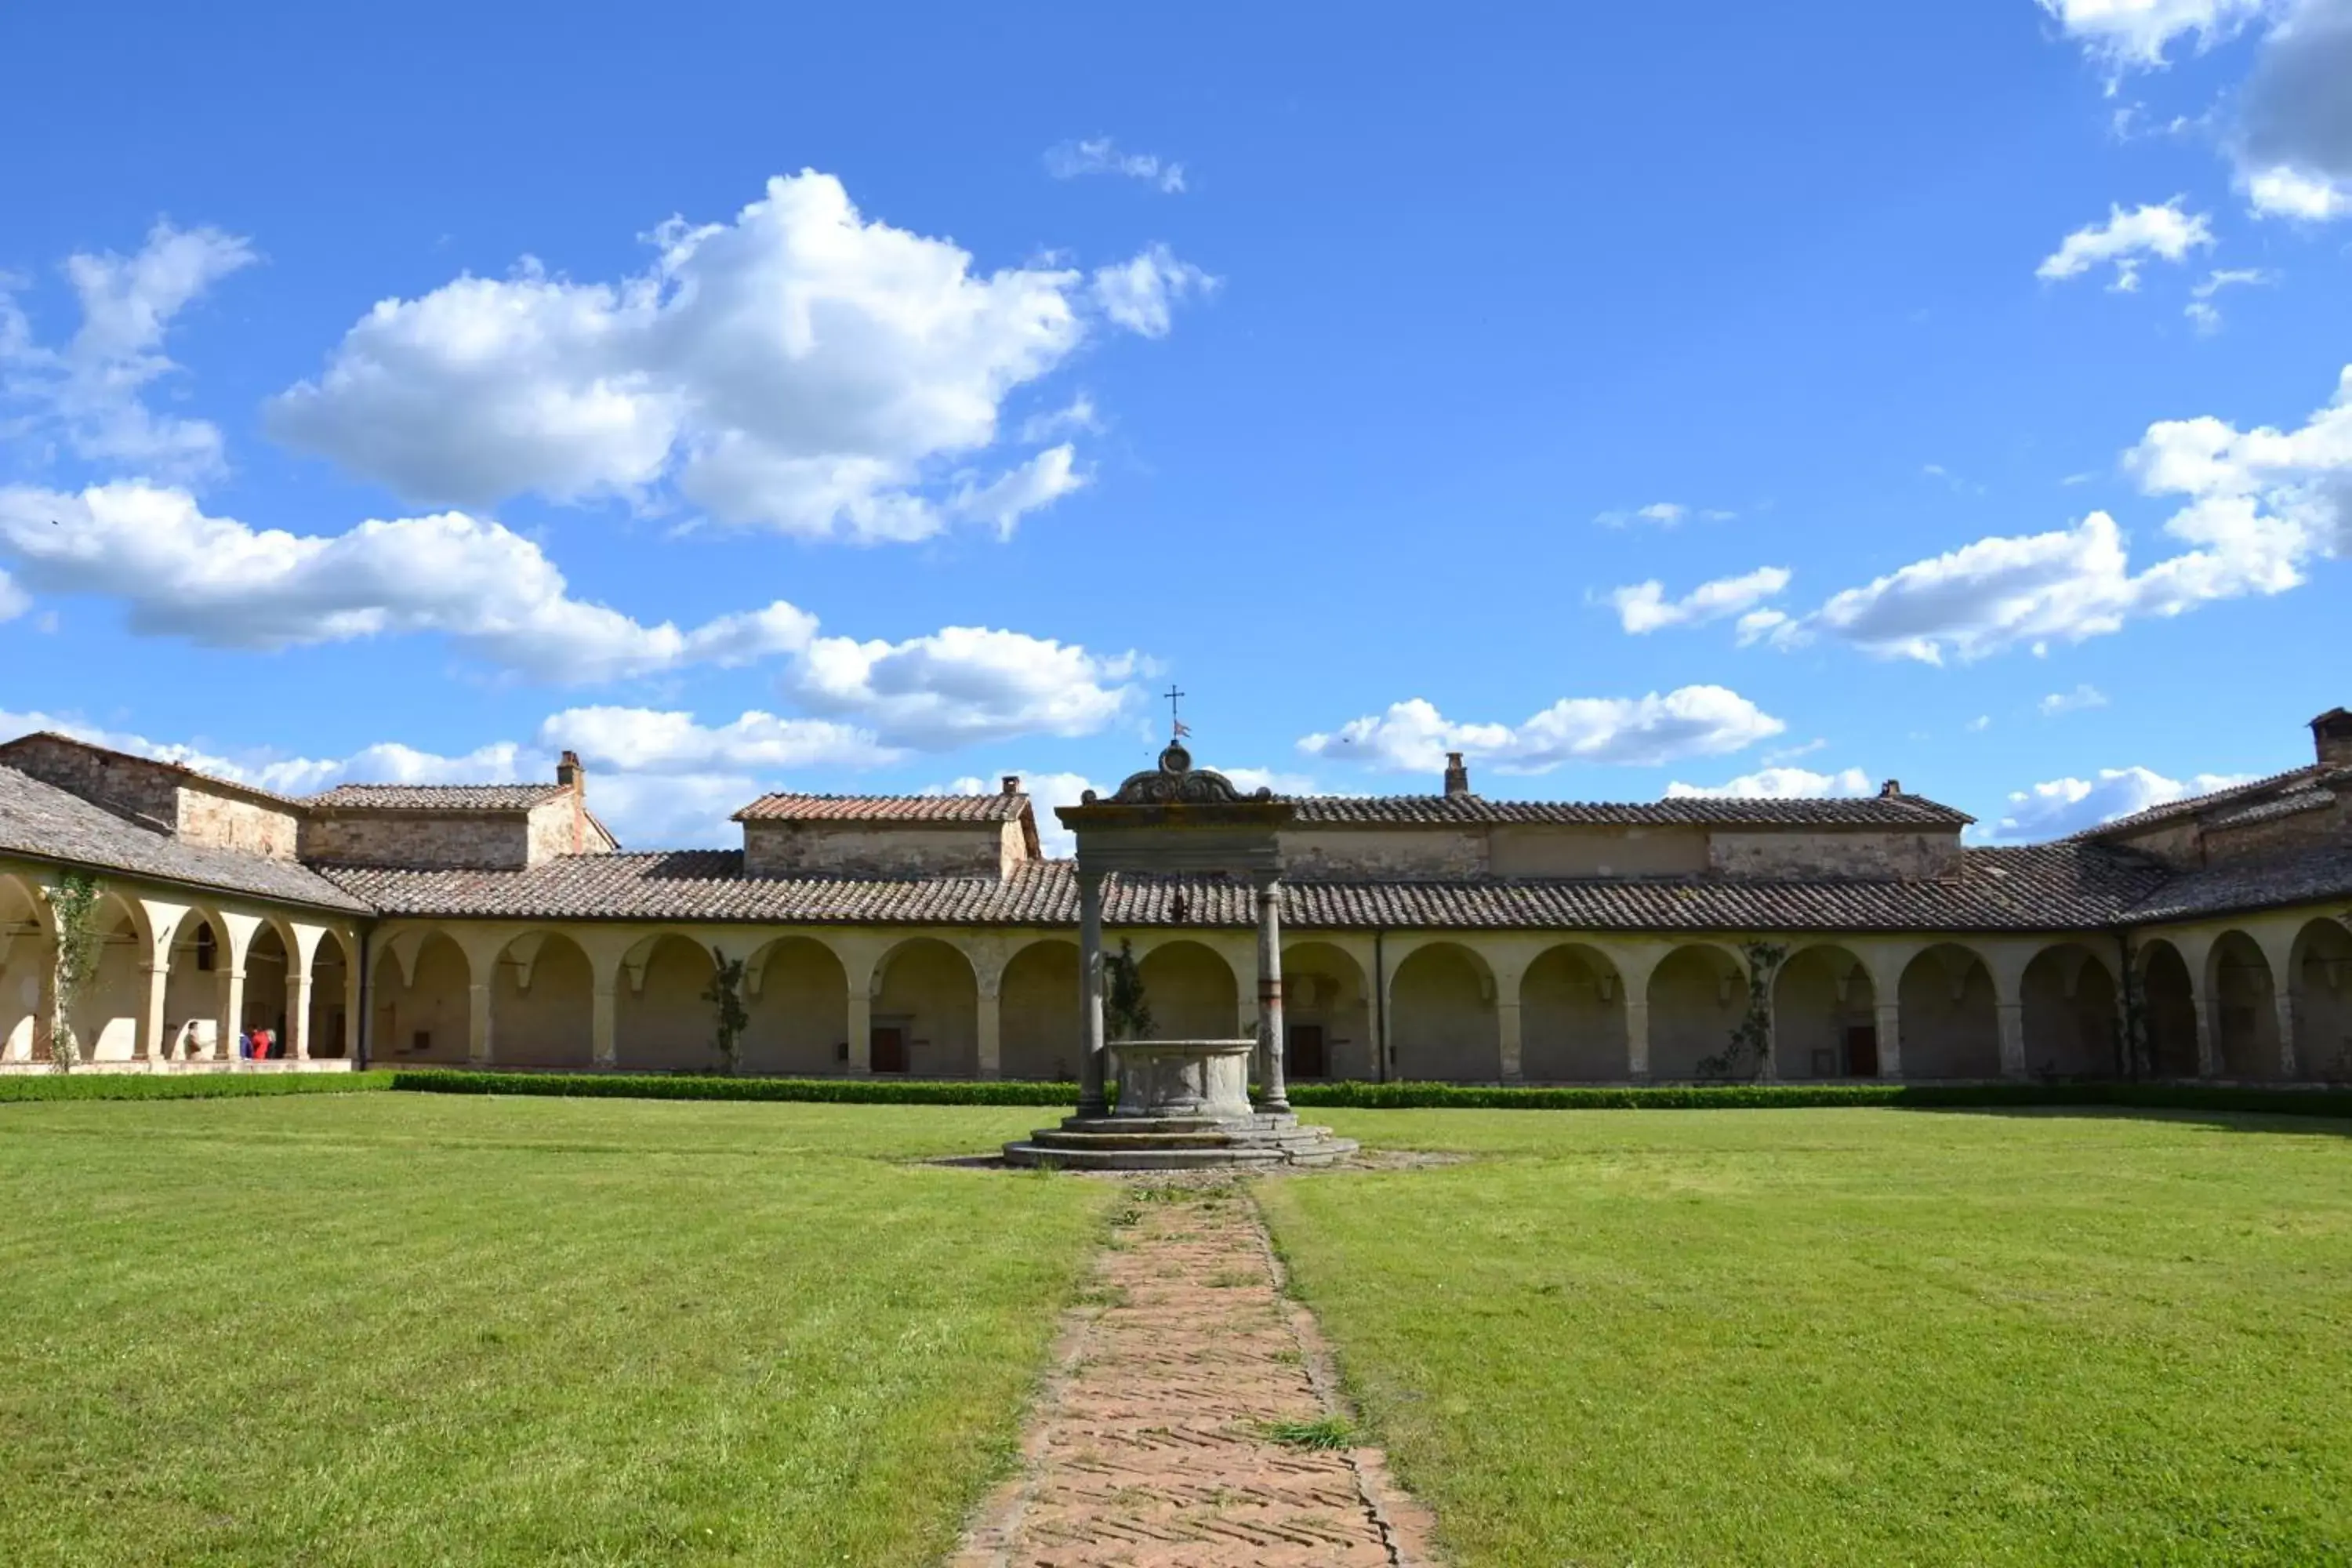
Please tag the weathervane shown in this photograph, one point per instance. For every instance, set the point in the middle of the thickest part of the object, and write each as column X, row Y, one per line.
column 1177, row 726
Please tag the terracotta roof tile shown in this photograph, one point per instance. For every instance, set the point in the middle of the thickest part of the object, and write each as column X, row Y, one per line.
column 1869, row 811
column 438, row 798
column 789, row 807
column 2291, row 876
column 2294, row 780
column 43, row 823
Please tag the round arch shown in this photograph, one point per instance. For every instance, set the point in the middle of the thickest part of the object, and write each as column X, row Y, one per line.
column 926, row 1015
column 1824, row 1015
column 1442, row 1020
column 335, row 1033
column 1698, row 997
column 1952, row 1019
column 660, row 1021
column 2321, row 973
column 1326, row 1013
column 27, row 959
column 106, row 1017
column 2072, row 1016
column 2168, row 1009
column 200, row 957
column 542, row 1002
column 1190, row 990
column 797, row 995
column 2245, row 1007
column 1037, row 1006
column 1572, row 1017
column 421, row 1008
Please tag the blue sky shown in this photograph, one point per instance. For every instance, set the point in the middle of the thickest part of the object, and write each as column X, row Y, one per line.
column 1769, row 398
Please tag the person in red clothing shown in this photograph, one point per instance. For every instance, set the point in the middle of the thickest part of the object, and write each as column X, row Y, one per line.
column 261, row 1045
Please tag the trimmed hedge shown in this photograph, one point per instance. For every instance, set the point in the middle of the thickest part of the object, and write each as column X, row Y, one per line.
column 1402, row 1096
column 185, row 1086
column 690, row 1086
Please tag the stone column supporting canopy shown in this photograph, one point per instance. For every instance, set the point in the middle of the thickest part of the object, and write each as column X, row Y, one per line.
column 1890, row 1036
column 1275, row 1095
column 603, row 1043
column 479, row 1050
column 1090, row 997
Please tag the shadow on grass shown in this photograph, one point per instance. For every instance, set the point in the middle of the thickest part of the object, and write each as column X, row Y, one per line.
column 2220, row 1120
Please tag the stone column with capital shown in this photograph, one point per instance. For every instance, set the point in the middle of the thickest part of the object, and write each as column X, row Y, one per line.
column 1273, row 1096
column 1090, row 996
column 151, row 1042
column 297, row 1047
column 2012, row 1017
column 603, row 1012
column 1890, row 1039
column 478, row 1025
column 2285, row 998
column 1637, row 1039
column 232, row 1011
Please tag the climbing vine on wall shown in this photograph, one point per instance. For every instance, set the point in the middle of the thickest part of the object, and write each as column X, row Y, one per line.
column 1750, row 1049
column 726, row 994
column 1127, row 1012
column 81, row 942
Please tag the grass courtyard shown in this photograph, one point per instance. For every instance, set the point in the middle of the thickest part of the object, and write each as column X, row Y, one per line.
column 1850, row 1336
column 404, row 1327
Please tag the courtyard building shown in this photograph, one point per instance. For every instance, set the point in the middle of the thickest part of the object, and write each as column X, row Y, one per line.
column 1437, row 937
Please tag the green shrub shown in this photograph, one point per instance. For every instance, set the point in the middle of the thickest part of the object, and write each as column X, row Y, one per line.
column 689, row 1086
column 185, row 1086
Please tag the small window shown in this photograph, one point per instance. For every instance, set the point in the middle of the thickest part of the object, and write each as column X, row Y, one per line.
column 208, row 950
column 421, row 1041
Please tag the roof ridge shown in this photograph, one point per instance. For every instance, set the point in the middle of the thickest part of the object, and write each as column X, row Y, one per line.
column 2187, row 806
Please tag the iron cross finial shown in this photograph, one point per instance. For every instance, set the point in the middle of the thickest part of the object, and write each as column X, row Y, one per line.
column 1177, row 726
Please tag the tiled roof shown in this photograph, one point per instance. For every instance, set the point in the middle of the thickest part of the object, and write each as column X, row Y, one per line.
column 43, row 823
column 214, row 781
column 439, row 797
column 2292, row 780
column 2047, row 888
column 1870, row 811
column 2294, row 877
column 789, row 807
column 2293, row 803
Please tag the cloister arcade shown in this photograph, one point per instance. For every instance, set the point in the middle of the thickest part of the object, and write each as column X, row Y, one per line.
column 177, row 978
column 1465, row 1006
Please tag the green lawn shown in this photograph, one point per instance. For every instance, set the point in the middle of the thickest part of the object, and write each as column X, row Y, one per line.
column 1850, row 1336
column 414, row 1328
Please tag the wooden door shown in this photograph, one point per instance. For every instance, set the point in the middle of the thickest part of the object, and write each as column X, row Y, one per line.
column 889, row 1048
column 1862, row 1051
column 1306, row 1057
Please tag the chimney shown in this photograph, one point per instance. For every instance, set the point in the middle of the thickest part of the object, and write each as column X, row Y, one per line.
column 1890, row 789
column 2331, row 738
column 570, row 775
column 1457, row 777
column 1012, row 784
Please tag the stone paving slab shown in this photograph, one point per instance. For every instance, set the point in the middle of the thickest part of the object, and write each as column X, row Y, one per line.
column 1149, row 1448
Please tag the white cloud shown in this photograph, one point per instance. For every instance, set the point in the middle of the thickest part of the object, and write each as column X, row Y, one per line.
column 384, row 762
column 90, row 390
column 223, row 583
column 1691, row 722
column 1779, row 783
column 1664, row 513
column 1141, row 294
column 2125, row 239
column 669, row 742
column 2080, row 700
column 1077, row 415
column 2292, row 143
column 2136, row 33
column 1100, row 155
column 1980, row 724
column 801, row 368
column 2286, row 191
column 963, row 684
column 14, row 601
column 1644, row 608
column 2066, row 805
column 2203, row 312
column 2261, row 505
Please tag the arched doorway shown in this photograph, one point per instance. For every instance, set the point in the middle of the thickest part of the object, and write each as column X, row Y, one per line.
column 800, row 1011
column 1037, row 1011
column 2073, row 1027
column 2323, row 1002
column 106, row 1016
column 192, row 990
column 1951, row 1020
column 661, row 1020
column 1572, row 1018
column 331, row 1031
column 1326, row 1014
column 2245, row 1008
column 2168, row 1011
column 1824, row 1016
column 926, row 1011
column 1442, row 1020
column 1698, row 998
column 542, row 1003
column 1191, row 993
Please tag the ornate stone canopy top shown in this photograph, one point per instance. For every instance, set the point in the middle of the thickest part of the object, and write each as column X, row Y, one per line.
column 1176, row 781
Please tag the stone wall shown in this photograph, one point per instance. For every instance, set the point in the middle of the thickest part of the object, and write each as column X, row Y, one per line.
column 224, row 821
column 2300, row 830
column 1766, row 853
column 1436, row 853
column 129, row 785
column 423, row 840
column 867, row 849
column 1531, row 850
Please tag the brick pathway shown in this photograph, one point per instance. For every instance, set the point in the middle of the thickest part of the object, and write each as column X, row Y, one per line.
column 1149, row 1448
